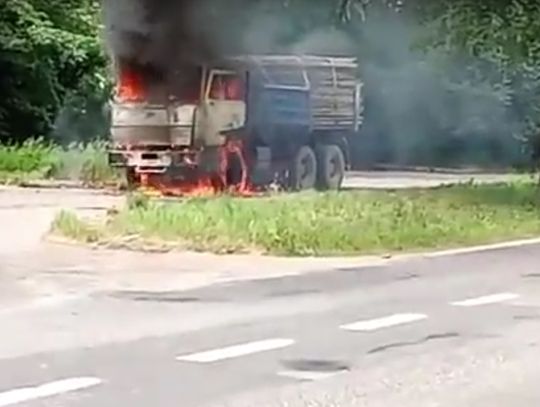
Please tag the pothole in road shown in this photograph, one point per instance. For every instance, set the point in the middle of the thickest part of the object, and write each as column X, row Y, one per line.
column 292, row 293
column 69, row 271
column 531, row 275
column 314, row 365
column 155, row 296
column 406, row 277
column 527, row 317
column 312, row 369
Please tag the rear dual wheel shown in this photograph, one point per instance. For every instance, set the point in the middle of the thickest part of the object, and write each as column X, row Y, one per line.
column 323, row 168
column 303, row 170
column 331, row 162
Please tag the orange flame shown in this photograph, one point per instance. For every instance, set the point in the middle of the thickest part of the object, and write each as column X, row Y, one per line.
column 201, row 187
column 205, row 185
column 130, row 86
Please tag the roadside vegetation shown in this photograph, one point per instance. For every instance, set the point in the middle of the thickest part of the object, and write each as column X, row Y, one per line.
column 313, row 224
column 37, row 160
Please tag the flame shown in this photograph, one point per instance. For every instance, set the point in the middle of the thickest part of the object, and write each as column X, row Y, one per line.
column 130, row 87
column 205, row 185
column 157, row 185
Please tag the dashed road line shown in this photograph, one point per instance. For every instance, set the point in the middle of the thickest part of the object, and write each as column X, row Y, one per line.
column 235, row 351
column 21, row 395
column 486, row 300
column 385, row 322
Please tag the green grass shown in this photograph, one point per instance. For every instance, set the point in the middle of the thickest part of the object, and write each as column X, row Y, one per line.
column 73, row 226
column 316, row 224
column 37, row 160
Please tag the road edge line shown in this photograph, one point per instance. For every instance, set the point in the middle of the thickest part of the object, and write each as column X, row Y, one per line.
column 509, row 244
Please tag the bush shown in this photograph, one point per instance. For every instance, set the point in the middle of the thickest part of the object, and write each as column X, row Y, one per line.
column 37, row 159
column 34, row 155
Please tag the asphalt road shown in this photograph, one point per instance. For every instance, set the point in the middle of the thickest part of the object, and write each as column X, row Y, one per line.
column 420, row 179
column 458, row 330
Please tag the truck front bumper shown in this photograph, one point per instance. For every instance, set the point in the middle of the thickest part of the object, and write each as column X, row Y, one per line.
column 142, row 161
column 160, row 161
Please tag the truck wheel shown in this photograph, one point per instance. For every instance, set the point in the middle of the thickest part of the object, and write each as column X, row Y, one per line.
column 132, row 179
column 234, row 174
column 331, row 167
column 303, row 171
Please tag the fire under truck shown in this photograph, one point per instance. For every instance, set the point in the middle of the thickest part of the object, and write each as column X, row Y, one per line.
column 244, row 121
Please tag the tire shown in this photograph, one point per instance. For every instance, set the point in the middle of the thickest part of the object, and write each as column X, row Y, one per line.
column 331, row 163
column 132, row 179
column 234, row 171
column 303, row 170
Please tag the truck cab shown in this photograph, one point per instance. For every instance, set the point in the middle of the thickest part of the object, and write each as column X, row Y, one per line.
column 159, row 122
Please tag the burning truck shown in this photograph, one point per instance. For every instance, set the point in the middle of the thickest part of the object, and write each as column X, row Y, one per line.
column 236, row 123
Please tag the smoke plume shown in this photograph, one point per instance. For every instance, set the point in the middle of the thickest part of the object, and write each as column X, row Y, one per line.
column 430, row 108
column 164, row 33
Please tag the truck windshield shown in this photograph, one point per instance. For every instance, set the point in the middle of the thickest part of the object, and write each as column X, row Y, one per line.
column 226, row 87
column 184, row 84
column 136, row 83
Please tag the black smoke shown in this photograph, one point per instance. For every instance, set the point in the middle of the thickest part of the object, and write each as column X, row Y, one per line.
column 167, row 33
column 154, row 32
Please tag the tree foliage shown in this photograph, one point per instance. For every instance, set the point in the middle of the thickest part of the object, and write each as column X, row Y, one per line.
column 502, row 41
column 470, row 69
column 50, row 51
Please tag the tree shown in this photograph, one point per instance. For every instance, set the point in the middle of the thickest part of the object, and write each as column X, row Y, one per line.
column 49, row 51
column 503, row 35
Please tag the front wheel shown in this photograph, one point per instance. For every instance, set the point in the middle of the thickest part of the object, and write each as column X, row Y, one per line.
column 132, row 179
column 331, row 167
column 303, row 171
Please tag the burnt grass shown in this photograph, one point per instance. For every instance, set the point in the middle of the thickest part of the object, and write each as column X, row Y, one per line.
column 322, row 224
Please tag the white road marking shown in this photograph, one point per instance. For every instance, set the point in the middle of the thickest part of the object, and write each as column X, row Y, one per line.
column 488, row 299
column 484, row 248
column 392, row 320
column 308, row 375
column 16, row 396
column 236, row 351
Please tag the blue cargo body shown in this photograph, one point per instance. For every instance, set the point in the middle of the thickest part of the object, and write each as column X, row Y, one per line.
column 284, row 107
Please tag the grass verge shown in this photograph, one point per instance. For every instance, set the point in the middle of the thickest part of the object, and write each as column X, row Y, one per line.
column 346, row 223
